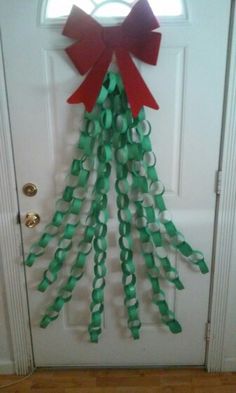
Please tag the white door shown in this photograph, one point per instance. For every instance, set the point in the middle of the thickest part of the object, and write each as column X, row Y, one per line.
column 188, row 84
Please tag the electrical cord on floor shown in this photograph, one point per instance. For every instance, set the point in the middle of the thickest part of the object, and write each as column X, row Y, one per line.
column 19, row 380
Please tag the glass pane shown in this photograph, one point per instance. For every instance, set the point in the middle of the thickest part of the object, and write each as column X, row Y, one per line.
column 61, row 8
column 112, row 10
column 167, row 7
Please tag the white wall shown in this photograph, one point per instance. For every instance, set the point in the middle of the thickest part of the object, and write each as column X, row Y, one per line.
column 6, row 360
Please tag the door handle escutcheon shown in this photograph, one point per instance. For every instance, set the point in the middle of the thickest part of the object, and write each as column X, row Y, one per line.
column 30, row 189
column 32, row 219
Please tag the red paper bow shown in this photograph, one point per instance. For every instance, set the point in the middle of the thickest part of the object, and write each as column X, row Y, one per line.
column 96, row 45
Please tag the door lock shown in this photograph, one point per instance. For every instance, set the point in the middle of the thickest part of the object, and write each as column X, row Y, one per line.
column 30, row 189
column 32, row 219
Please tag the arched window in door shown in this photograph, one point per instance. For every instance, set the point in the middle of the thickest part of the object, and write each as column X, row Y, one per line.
column 107, row 11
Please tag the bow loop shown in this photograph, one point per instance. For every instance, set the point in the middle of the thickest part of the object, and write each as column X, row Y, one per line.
column 96, row 44
column 140, row 19
column 85, row 53
column 79, row 24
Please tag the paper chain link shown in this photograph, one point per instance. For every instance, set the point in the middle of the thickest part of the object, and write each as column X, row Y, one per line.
column 117, row 135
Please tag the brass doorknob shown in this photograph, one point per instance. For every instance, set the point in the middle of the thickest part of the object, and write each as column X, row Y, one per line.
column 31, row 219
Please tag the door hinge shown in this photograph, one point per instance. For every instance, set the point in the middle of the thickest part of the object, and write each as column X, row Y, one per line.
column 18, row 220
column 218, row 182
column 208, row 331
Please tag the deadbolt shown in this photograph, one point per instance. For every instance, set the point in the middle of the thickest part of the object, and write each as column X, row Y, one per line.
column 31, row 219
column 30, row 189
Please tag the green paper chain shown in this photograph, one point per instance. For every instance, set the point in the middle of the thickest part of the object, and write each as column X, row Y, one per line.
column 110, row 133
column 139, row 184
column 126, row 243
column 100, row 240
column 69, row 204
column 156, row 189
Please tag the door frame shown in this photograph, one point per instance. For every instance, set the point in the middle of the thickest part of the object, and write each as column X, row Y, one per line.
column 11, row 243
column 225, row 221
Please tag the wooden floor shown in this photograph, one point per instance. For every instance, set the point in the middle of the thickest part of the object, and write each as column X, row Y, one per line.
column 123, row 381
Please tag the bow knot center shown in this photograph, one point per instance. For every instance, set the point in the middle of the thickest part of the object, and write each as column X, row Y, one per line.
column 112, row 36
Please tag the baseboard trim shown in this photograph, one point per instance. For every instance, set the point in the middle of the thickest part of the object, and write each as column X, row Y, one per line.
column 229, row 364
column 7, row 368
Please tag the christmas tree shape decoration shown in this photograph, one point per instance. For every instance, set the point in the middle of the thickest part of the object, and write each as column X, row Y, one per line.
column 115, row 132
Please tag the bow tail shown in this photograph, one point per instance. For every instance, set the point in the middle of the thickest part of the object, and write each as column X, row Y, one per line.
column 136, row 89
column 90, row 87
